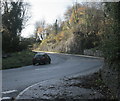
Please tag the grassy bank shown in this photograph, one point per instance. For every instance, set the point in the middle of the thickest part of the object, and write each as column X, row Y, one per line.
column 18, row 59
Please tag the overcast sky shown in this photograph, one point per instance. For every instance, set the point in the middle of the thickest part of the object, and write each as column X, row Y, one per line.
column 49, row 10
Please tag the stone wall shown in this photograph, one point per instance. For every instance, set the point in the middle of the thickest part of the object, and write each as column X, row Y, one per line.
column 93, row 52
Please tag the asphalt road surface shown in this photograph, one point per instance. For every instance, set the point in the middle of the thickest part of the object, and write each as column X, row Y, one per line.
column 16, row 80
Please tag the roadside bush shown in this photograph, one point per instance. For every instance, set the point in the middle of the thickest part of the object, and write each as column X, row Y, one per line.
column 18, row 59
column 111, row 36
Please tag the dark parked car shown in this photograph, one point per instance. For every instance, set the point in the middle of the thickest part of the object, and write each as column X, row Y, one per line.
column 41, row 58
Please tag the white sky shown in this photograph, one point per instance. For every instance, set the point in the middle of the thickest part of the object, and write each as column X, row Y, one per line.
column 49, row 10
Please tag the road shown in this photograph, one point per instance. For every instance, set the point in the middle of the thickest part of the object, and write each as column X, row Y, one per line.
column 16, row 80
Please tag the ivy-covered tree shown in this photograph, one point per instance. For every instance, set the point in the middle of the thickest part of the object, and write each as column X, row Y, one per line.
column 13, row 20
column 85, row 20
column 56, row 26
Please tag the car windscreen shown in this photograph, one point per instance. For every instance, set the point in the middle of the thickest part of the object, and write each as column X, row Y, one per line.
column 38, row 56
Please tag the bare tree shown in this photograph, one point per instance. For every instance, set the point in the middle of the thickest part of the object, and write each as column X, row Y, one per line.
column 39, row 29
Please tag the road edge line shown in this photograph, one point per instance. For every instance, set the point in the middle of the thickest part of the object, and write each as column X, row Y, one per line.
column 18, row 96
column 86, row 56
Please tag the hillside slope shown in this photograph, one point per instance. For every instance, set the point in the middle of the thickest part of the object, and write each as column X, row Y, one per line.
column 63, row 42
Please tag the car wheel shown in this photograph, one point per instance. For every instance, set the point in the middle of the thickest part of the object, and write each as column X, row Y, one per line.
column 49, row 62
column 34, row 63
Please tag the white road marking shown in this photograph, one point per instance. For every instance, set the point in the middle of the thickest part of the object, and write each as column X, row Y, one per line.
column 5, row 98
column 10, row 91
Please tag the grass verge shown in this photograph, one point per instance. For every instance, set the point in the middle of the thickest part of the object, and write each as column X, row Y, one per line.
column 18, row 59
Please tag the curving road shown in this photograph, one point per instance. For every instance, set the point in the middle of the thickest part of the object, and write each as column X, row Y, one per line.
column 16, row 80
